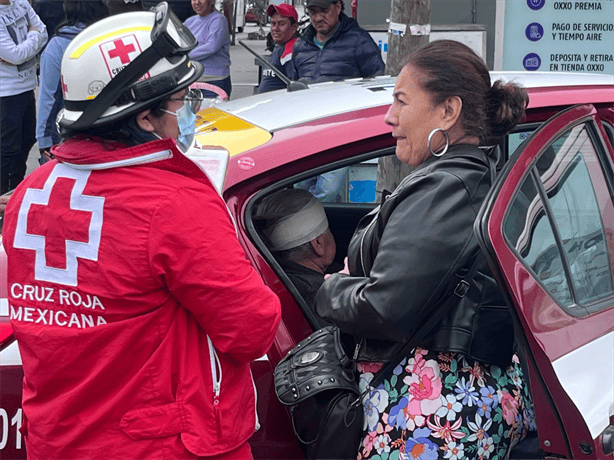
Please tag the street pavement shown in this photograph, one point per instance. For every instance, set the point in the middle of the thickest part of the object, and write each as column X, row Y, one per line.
column 243, row 73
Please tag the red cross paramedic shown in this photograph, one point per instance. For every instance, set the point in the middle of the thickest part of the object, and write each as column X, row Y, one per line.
column 136, row 311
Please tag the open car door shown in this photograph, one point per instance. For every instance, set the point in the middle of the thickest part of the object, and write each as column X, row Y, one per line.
column 547, row 228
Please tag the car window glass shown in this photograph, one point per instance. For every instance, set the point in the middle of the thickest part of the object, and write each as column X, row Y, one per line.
column 350, row 184
column 529, row 231
column 569, row 171
column 515, row 139
column 577, row 214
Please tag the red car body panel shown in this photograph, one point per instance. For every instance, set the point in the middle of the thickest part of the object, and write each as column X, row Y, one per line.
column 300, row 142
column 556, row 331
column 551, row 332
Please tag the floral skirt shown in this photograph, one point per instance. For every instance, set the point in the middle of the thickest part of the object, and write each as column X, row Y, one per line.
column 439, row 405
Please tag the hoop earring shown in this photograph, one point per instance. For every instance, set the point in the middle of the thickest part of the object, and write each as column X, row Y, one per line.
column 445, row 149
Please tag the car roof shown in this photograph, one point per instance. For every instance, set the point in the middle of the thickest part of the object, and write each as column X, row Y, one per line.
column 280, row 109
column 265, row 131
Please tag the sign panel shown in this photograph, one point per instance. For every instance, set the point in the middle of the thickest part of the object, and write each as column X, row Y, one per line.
column 474, row 39
column 559, row 36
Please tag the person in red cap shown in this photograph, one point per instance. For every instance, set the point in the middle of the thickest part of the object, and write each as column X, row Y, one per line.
column 284, row 25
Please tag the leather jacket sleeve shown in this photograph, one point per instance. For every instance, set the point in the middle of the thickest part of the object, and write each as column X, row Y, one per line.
column 402, row 261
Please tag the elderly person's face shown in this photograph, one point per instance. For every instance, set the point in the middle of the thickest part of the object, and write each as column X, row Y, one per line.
column 203, row 7
column 324, row 20
column 413, row 116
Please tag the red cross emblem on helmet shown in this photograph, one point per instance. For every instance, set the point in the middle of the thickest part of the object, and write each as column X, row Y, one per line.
column 119, row 52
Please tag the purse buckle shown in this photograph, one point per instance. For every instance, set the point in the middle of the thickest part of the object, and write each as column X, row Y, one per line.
column 461, row 288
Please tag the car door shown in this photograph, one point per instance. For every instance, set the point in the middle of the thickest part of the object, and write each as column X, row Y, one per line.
column 11, row 376
column 548, row 231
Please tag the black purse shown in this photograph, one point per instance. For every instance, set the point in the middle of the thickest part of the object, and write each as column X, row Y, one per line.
column 319, row 382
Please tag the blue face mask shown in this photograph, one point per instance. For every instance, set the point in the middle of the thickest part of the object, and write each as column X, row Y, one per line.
column 186, row 121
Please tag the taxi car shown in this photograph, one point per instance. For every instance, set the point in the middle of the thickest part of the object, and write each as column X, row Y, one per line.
column 547, row 228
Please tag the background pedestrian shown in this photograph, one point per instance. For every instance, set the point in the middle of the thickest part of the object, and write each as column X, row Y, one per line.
column 213, row 51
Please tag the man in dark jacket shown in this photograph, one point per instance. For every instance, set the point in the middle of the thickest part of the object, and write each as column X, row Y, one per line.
column 334, row 47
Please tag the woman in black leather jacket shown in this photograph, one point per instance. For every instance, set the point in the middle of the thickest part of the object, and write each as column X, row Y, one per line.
column 460, row 394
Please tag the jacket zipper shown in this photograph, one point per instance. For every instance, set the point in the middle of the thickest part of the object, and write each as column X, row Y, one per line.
column 364, row 234
column 257, row 427
column 362, row 242
column 217, row 383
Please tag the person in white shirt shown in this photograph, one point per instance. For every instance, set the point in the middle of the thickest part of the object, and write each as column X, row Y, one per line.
column 22, row 37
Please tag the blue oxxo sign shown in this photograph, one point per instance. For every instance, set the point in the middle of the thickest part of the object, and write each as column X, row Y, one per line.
column 559, row 36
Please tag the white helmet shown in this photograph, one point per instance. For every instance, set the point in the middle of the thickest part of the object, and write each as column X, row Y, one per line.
column 123, row 64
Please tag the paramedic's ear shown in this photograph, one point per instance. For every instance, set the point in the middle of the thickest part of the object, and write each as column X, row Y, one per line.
column 144, row 121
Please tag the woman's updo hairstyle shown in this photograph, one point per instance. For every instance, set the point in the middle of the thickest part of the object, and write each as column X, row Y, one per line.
column 449, row 68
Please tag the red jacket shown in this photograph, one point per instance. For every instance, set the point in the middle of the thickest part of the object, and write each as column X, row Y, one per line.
column 121, row 265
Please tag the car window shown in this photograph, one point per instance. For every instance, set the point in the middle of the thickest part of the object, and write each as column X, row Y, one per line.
column 515, row 139
column 350, row 184
column 556, row 223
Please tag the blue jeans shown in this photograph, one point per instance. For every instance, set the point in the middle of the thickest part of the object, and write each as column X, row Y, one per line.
column 18, row 130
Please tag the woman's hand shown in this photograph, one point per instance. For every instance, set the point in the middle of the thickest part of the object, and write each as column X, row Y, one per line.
column 345, row 271
column 3, row 201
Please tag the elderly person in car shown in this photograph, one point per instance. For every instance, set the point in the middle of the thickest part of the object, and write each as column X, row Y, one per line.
column 295, row 228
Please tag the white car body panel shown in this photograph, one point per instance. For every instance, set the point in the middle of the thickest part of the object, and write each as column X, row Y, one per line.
column 280, row 109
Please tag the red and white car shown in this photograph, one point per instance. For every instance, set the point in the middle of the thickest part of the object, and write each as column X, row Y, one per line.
column 547, row 228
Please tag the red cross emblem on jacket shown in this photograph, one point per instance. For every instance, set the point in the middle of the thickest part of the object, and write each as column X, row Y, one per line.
column 61, row 224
